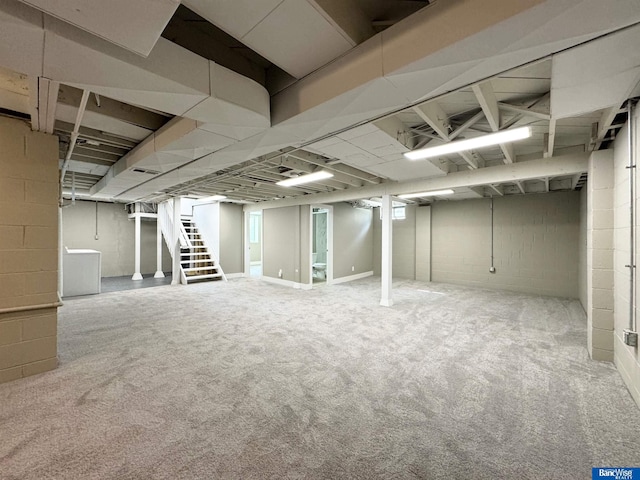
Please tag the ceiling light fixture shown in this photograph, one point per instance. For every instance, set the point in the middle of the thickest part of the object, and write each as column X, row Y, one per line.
column 435, row 193
column 505, row 136
column 311, row 177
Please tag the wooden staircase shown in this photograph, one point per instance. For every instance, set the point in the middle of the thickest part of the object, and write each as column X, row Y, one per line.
column 196, row 261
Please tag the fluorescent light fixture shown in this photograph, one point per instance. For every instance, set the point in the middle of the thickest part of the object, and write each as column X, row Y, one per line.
column 505, row 136
column 216, row 198
column 311, row 177
column 435, row 193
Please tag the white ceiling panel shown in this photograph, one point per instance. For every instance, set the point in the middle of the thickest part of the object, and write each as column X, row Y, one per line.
column 135, row 25
column 297, row 37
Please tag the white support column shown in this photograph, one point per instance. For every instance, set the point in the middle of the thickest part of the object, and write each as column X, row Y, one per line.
column 386, row 299
column 175, row 280
column 137, row 275
column 159, row 273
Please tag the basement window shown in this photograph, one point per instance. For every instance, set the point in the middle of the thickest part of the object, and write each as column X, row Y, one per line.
column 397, row 213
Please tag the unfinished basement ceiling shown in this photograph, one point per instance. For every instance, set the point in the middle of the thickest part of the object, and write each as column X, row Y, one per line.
column 177, row 123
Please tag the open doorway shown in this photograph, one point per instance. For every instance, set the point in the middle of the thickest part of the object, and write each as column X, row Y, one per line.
column 320, row 248
column 255, row 244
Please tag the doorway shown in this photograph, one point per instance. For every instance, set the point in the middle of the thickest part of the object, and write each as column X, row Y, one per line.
column 255, row 244
column 320, row 245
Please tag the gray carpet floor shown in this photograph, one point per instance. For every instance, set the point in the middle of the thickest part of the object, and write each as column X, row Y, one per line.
column 250, row 380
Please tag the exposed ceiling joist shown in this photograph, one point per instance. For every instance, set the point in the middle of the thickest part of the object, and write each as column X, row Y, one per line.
column 97, row 135
column 499, row 189
column 487, row 100
column 435, row 117
column 112, row 108
column 550, row 139
column 467, row 124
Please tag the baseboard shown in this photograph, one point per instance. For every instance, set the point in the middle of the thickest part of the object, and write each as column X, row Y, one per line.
column 351, row 278
column 234, row 275
column 280, row 281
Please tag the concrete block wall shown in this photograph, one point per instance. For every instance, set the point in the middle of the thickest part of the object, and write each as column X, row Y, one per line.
column 28, row 250
column 626, row 358
column 600, row 256
column 116, row 237
column 535, row 243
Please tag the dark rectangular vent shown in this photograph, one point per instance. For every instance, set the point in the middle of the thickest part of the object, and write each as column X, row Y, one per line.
column 143, row 170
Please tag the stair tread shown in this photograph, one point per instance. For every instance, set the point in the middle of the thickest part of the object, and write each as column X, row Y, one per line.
column 199, row 269
column 199, row 277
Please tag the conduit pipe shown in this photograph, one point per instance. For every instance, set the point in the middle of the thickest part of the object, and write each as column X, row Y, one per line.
column 630, row 335
column 492, row 268
column 74, row 138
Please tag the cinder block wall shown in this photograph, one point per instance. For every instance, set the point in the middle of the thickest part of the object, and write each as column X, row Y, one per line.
column 116, row 237
column 626, row 358
column 536, row 239
column 28, row 250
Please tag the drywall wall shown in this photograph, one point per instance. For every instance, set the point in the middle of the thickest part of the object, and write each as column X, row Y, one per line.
column 626, row 358
column 536, row 241
column 281, row 243
column 423, row 244
column 231, row 244
column 352, row 240
column 28, row 250
column 304, row 252
column 404, row 244
column 116, row 237
column 207, row 218
column 582, row 250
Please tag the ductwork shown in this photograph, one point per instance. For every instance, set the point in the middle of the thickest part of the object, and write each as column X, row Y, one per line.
column 220, row 107
column 442, row 48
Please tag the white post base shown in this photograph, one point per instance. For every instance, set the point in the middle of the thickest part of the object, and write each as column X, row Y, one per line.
column 136, row 276
column 159, row 274
column 386, row 302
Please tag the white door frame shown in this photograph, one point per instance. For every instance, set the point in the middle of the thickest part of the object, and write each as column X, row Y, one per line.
column 329, row 272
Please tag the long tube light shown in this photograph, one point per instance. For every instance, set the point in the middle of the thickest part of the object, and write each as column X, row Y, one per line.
column 310, row 177
column 434, row 193
column 505, row 136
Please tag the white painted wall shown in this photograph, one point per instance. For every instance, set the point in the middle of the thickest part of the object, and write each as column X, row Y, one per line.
column 352, row 240
column 404, row 244
column 626, row 358
column 116, row 237
column 582, row 250
column 207, row 218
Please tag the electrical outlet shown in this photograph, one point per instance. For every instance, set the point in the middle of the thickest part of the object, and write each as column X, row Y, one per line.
column 492, row 270
column 280, row 273
column 630, row 338
column 97, row 237
column 353, row 268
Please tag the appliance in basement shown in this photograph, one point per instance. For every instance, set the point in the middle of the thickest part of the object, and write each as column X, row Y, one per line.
column 81, row 272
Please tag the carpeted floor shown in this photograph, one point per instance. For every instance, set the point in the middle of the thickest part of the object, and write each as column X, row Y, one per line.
column 251, row 380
